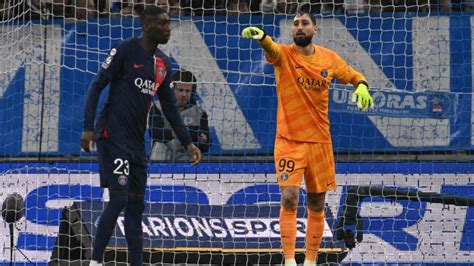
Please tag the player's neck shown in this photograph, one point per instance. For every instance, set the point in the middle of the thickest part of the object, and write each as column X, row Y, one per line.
column 305, row 50
column 147, row 44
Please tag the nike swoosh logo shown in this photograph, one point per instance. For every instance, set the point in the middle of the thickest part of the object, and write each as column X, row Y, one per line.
column 298, row 67
column 328, row 184
column 137, row 66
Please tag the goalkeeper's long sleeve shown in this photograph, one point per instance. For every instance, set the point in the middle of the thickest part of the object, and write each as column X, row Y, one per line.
column 345, row 73
column 271, row 48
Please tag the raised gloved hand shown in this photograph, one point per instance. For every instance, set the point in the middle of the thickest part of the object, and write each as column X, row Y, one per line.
column 253, row 33
column 362, row 96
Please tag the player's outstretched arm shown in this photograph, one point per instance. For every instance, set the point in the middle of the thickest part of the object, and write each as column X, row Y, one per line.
column 271, row 48
column 362, row 96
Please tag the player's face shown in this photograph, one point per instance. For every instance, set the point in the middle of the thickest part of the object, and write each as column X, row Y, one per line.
column 159, row 29
column 183, row 92
column 303, row 30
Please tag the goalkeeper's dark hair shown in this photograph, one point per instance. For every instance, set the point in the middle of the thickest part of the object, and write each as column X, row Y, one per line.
column 185, row 76
column 305, row 9
column 150, row 13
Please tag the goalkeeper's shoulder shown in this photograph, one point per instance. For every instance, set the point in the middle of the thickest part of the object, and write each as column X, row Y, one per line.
column 327, row 53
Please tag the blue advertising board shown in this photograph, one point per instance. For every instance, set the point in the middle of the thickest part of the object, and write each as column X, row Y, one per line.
column 208, row 227
column 236, row 205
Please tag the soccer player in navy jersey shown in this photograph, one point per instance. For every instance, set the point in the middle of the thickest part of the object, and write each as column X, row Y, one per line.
column 137, row 71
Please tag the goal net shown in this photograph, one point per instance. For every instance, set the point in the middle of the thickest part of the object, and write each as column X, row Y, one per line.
column 404, row 169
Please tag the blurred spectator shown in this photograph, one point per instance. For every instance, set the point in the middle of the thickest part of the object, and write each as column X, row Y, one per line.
column 377, row 6
column 165, row 144
column 355, row 6
column 8, row 10
column 267, row 6
column 291, row 6
column 286, row 6
column 174, row 9
column 443, row 5
column 413, row 6
column 202, row 7
column 134, row 7
column 237, row 7
column 79, row 9
column 459, row 5
column 125, row 7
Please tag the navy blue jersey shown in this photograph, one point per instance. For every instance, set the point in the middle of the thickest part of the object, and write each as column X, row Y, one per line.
column 135, row 77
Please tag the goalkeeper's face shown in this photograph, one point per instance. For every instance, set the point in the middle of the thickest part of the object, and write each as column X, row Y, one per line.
column 303, row 30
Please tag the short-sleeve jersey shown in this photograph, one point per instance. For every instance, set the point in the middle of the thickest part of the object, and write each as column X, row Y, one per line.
column 303, row 91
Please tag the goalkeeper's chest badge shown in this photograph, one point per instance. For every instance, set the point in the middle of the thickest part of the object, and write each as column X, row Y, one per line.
column 324, row 73
column 284, row 176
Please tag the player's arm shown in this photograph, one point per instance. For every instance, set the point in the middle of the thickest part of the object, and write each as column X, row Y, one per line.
column 271, row 49
column 158, row 132
column 204, row 136
column 95, row 89
column 346, row 74
column 169, row 106
column 109, row 70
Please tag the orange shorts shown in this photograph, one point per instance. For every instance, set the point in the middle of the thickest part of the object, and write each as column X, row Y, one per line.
column 314, row 161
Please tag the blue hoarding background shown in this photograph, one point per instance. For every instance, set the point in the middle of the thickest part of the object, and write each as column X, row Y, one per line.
column 211, row 197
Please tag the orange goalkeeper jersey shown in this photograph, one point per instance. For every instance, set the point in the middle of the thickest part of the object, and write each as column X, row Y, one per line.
column 303, row 89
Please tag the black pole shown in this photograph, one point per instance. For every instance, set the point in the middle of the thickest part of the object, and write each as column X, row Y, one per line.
column 12, row 244
column 45, row 48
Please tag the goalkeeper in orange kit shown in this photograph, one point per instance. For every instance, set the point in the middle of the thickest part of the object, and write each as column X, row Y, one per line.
column 303, row 145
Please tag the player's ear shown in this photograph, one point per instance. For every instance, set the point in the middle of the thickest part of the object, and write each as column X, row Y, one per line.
column 146, row 26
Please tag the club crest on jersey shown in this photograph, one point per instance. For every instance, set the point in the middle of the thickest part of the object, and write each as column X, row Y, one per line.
column 324, row 73
column 284, row 176
column 147, row 86
column 122, row 180
column 161, row 72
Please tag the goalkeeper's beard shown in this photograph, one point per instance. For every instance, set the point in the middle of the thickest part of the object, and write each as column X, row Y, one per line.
column 303, row 42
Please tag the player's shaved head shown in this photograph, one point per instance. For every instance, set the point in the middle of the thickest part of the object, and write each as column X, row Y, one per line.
column 155, row 25
column 150, row 13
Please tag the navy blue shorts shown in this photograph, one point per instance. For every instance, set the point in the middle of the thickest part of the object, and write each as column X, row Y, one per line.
column 120, row 170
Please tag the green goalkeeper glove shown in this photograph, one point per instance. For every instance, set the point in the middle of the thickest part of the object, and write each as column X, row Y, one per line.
column 253, row 33
column 362, row 96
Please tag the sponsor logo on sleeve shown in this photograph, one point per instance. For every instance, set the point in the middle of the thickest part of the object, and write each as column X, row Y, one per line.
column 109, row 58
